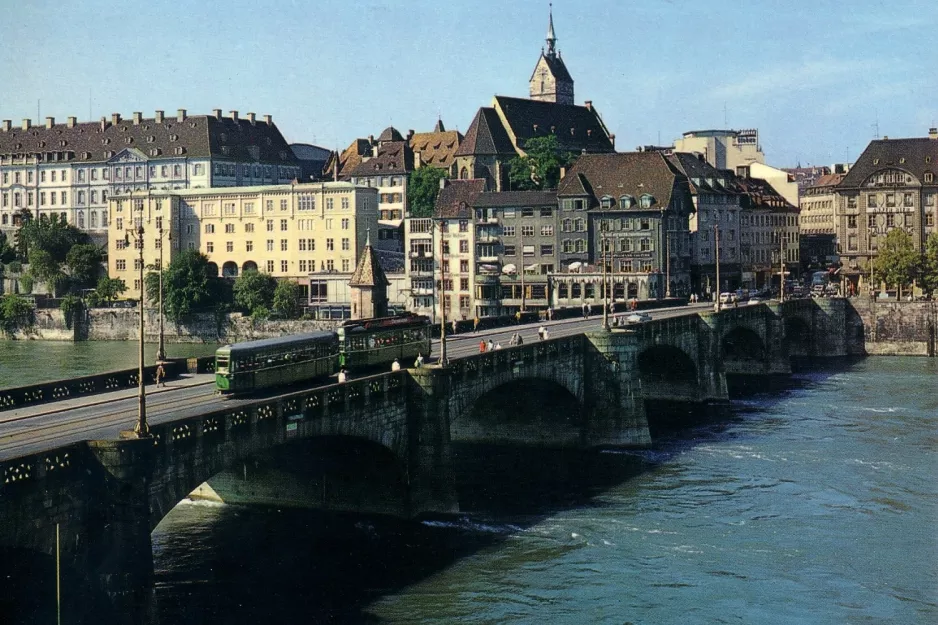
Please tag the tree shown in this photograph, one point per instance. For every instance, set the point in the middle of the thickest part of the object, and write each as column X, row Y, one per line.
column 254, row 290
column 84, row 263
column 16, row 313
column 286, row 299
column 109, row 289
column 7, row 252
column 187, row 285
column 52, row 235
column 422, row 189
column 540, row 167
column 44, row 268
column 930, row 264
column 897, row 262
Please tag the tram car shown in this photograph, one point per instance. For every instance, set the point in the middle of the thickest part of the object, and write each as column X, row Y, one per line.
column 371, row 342
column 357, row 345
column 255, row 365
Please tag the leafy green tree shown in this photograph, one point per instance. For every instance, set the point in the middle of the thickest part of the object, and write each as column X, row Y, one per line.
column 422, row 189
column 930, row 264
column 253, row 290
column 71, row 305
column 16, row 313
column 84, row 263
column 286, row 299
column 540, row 167
column 897, row 262
column 45, row 268
column 7, row 251
column 187, row 286
column 52, row 235
column 109, row 289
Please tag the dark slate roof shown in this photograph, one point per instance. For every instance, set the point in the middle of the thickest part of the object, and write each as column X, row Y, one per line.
column 455, row 200
column 758, row 193
column 391, row 262
column 369, row 271
column 516, row 198
column 701, row 175
column 437, row 148
column 439, row 126
column 624, row 173
column 199, row 136
column 390, row 134
column 394, row 157
column 908, row 155
column 577, row 128
column 556, row 66
column 486, row 136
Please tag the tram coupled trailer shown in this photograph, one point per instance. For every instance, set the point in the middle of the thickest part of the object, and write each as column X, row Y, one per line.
column 377, row 342
column 255, row 365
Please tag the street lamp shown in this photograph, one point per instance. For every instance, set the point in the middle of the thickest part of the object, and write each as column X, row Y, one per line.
column 160, row 350
column 716, row 240
column 141, row 429
column 443, row 359
column 605, row 286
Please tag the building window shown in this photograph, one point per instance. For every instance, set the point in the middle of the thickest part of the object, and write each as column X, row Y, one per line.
column 851, row 221
column 209, row 247
column 330, row 245
column 305, row 202
column 547, row 231
column 270, row 245
column 283, row 245
column 345, row 264
column 283, row 204
column 508, row 231
column 229, row 228
column 249, row 246
column 509, row 250
column 283, row 225
column 345, row 223
column 871, row 200
column 270, row 225
column 249, row 227
column 270, row 266
column 121, row 265
column 345, row 244
column 527, row 231
column 284, row 266
column 464, row 247
column 329, row 203
column 547, row 250
column 209, row 228
column 871, row 221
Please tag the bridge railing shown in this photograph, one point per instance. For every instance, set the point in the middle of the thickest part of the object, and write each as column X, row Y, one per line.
column 501, row 360
column 26, row 471
column 44, row 392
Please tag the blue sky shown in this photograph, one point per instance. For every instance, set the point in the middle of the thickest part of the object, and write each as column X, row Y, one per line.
column 815, row 78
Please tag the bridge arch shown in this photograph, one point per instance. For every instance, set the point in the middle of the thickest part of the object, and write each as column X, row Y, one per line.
column 798, row 336
column 742, row 348
column 668, row 372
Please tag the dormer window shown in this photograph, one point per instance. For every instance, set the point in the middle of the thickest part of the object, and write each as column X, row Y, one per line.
column 929, row 177
column 876, row 161
column 647, row 200
column 607, row 201
column 626, row 201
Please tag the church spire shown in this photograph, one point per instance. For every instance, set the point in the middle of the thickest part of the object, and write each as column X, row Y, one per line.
column 551, row 38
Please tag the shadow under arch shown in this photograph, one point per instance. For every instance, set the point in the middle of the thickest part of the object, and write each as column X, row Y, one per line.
column 529, row 412
column 349, row 474
column 798, row 336
column 742, row 351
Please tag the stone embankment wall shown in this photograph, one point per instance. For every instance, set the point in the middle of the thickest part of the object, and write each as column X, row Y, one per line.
column 897, row 328
column 112, row 324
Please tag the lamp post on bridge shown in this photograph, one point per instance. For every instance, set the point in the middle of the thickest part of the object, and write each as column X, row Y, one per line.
column 442, row 291
column 605, row 285
column 141, row 428
column 160, row 350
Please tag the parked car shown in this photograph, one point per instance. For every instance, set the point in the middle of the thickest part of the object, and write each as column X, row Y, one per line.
column 727, row 298
column 755, row 300
column 638, row 317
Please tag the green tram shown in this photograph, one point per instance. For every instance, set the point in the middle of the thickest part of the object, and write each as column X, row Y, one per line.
column 372, row 342
column 254, row 365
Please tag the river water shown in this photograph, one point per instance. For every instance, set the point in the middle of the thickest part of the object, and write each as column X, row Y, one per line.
column 32, row 362
column 813, row 503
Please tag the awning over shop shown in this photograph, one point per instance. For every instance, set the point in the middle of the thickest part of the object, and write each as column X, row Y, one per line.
column 509, row 269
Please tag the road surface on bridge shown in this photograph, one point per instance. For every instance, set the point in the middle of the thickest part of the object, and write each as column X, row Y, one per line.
column 47, row 426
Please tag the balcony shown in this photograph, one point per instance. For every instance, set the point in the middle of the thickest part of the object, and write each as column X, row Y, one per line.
column 421, row 254
column 418, row 292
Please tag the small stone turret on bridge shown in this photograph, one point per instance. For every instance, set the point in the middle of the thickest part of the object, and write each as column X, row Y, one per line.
column 106, row 496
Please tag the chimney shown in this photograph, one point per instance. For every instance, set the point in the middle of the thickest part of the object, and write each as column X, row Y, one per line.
column 180, row 115
column 71, row 122
column 7, row 124
column 251, row 118
column 885, row 137
column 50, row 122
column 410, row 134
column 216, row 113
column 563, row 172
column 613, row 139
column 234, row 116
column 137, row 117
column 158, row 117
column 103, row 124
column 27, row 123
column 115, row 118
column 443, row 182
column 589, row 105
column 268, row 120
column 933, row 133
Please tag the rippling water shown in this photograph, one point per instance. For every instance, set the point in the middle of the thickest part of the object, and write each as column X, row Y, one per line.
column 31, row 362
column 812, row 504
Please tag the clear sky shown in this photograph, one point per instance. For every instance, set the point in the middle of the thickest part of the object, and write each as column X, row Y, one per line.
column 816, row 78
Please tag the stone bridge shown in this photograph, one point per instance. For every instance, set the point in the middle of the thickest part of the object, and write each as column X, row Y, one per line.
column 105, row 497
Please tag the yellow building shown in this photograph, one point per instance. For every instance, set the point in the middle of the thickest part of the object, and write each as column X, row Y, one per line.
column 287, row 231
